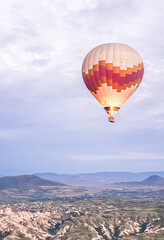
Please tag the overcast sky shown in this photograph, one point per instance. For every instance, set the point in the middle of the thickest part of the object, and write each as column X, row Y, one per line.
column 49, row 121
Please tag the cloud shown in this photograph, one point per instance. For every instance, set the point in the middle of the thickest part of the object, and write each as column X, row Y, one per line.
column 14, row 134
column 43, row 44
column 42, row 94
column 127, row 156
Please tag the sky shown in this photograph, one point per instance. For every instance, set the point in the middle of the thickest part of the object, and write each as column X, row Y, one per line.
column 49, row 121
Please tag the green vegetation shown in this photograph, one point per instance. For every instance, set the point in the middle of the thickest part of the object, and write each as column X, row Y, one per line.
column 21, row 236
column 4, row 234
column 53, row 229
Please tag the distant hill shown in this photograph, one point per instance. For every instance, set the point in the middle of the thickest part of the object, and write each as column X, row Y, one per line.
column 153, row 180
column 98, row 179
column 25, row 182
column 33, row 188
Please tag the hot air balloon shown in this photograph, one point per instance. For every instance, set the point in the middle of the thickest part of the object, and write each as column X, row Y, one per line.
column 112, row 72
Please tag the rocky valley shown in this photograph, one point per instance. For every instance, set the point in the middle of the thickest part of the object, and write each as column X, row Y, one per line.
column 83, row 219
column 32, row 208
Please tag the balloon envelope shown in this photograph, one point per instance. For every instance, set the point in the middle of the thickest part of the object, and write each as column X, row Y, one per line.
column 112, row 72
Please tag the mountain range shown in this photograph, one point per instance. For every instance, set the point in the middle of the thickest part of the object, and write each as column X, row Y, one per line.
column 26, row 188
column 26, row 182
column 98, row 179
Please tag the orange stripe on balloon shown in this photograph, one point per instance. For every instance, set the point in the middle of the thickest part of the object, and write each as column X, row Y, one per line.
column 116, row 69
column 96, row 67
column 109, row 82
column 122, row 73
column 102, row 63
column 104, row 77
column 109, row 66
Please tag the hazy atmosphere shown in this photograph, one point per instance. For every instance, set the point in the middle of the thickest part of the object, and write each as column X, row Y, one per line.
column 49, row 121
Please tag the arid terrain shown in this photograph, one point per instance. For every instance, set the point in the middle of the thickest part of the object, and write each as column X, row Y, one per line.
column 32, row 208
column 83, row 219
